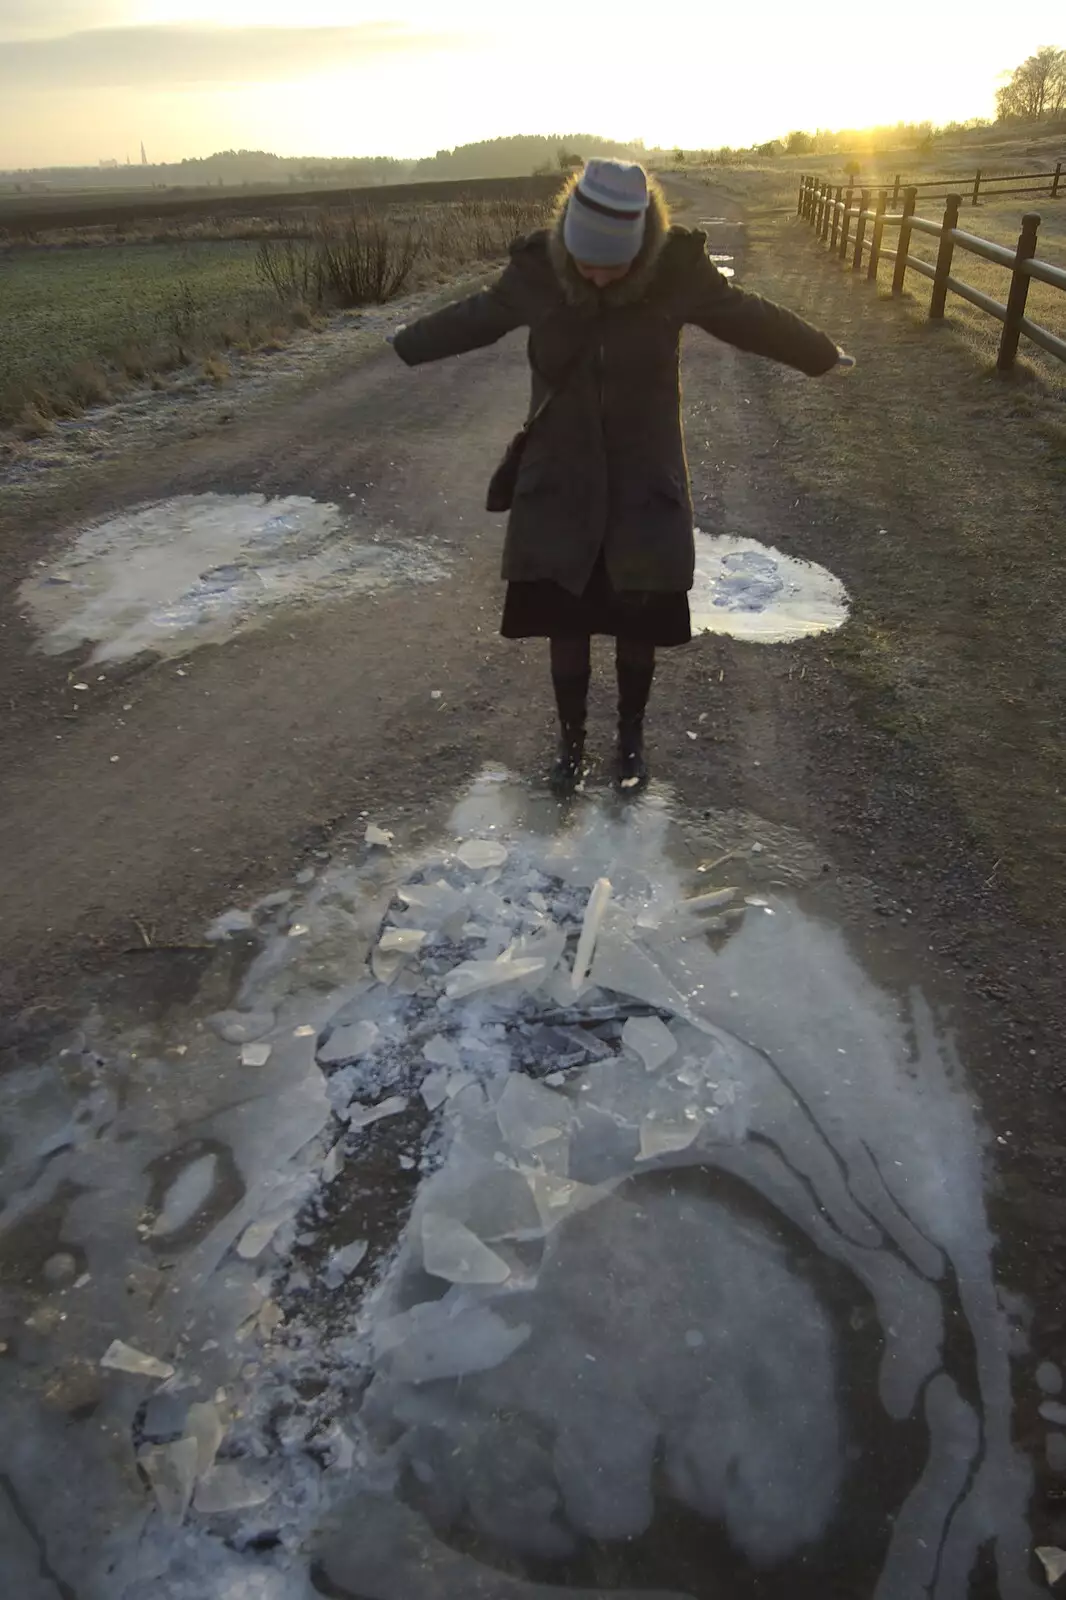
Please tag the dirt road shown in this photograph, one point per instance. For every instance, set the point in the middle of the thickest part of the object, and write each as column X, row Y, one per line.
column 137, row 809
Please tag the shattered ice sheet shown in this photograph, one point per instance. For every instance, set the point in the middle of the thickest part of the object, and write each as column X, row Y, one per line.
column 177, row 573
column 587, row 1287
column 752, row 591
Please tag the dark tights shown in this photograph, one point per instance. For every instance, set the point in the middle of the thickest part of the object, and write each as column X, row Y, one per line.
column 573, row 657
column 571, row 661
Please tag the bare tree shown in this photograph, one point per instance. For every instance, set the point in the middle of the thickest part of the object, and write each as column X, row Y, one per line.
column 1035, row 89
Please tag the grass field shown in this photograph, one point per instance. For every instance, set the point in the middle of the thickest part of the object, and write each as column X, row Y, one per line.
column 85, row 312
column 959, row 475
column 74, row 325
column 1000, row 221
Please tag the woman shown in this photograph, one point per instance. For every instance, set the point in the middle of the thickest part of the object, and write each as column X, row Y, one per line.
column 600, row 537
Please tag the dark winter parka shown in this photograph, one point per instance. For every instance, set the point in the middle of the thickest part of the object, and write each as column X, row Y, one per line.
column 605, row 467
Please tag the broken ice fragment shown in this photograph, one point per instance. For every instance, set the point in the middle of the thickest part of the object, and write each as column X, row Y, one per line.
column 435, row 1089
column 1053, row 1411
column 473, row 976
column 378, row 836
column 241, row 1027
column 556, row 1079
column 623, row 967
column 432, row 1340
column 440, row 1052
column 348, row 1043
column 271, row 1317
column 229, row 922
column 342, row 1263
column 531, row 1116
column 1053, row 1561
column 452, row 1252
column 333, row 1163
column 203, row 1428
column 660, row 1136
column 594, row 911
column 405, row 940
column 385, row 964
column 435, row 902
column 1049, row 1377
column 651, row 1040
column 255, row 1055
column 712, row 901
column 119, row 1357
column 185, row 1196
column 171, row 1470
column 364, row 1116
column 232, row 1486
column 479, row 854
column 255, row 1238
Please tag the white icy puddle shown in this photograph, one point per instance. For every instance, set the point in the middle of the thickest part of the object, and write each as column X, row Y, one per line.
column 197, row 569
column 528, row 1264
column 752, row 591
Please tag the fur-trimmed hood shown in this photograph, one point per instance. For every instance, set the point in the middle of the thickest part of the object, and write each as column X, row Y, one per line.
column 578, row 290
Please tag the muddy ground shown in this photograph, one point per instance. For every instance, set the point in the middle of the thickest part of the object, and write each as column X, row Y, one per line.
column 237, row 762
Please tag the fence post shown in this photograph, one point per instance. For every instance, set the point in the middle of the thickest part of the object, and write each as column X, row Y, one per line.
column 903, row 247
column 1055, row 180
column 879, row 228
column 802, row 192
column 1019, row 292
column 819, row 206
column 845, row 224
column 860, row 229
column 944, row 255
column 976, row 188
column 835, row 229
column 895, row 191
column 827, row 208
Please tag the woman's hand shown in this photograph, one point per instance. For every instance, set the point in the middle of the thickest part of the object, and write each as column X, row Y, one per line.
column 844, row 361
column 390, row 337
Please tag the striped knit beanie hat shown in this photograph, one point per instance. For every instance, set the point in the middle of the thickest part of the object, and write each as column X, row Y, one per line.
column 604, row 222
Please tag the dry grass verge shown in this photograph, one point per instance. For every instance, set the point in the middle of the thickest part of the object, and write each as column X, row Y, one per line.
column 79, row 326
column 952, row 480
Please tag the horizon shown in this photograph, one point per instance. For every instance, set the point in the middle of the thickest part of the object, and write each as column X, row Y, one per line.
column 85, row 81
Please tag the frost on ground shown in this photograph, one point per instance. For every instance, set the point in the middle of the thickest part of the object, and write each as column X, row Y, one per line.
column 197, row 569
column 752, row 591
column 663, row 1210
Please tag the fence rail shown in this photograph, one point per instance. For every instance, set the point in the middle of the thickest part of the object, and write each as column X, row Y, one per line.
column 1050, row 183
column 832, row 209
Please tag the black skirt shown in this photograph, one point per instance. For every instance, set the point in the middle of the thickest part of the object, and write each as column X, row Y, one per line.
column 544, row 610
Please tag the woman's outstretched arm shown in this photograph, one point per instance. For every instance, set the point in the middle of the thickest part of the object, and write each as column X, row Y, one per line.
column 751, row 323
column 480, row 319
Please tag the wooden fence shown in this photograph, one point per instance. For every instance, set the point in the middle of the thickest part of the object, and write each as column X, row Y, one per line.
column 1050, row 183
column 831, row 210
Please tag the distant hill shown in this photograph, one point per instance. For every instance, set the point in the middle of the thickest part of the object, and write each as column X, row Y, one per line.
column 515, row 157
column 519, row 155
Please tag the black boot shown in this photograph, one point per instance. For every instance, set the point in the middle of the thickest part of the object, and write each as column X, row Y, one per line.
column 571, row 699
column 634, row 687
column 632, row 767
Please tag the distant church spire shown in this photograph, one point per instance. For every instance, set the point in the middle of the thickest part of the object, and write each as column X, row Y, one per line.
column 144, row 158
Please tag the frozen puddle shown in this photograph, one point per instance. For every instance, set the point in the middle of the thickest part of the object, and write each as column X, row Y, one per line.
column 197, row 569
column 752, row 591
column 501, row 1277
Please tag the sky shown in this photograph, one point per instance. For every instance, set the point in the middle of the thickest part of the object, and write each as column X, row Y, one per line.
column 85, row 80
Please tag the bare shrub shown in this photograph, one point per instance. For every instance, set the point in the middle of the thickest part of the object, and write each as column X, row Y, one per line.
column 291, row 268
column 363, row 259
